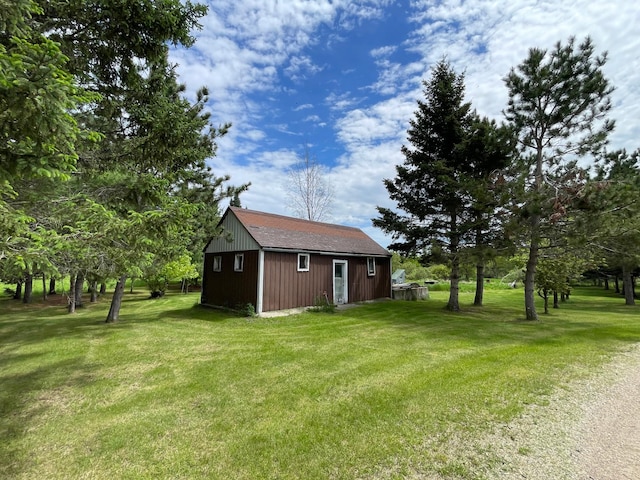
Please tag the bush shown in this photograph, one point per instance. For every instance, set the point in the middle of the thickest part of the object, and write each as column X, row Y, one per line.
column 321, row 304
column 439, row 272
column 247, row 310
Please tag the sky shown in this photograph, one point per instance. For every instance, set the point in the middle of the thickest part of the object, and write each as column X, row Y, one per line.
column 342, row 79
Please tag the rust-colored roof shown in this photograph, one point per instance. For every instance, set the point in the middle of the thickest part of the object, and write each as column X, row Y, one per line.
column 278, row 231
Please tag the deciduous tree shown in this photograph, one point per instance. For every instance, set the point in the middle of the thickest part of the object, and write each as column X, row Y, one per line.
column 309, row 191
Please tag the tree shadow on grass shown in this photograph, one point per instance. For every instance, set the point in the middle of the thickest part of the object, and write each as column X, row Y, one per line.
column 27, row 397
column 199, row 312
column 589, row 318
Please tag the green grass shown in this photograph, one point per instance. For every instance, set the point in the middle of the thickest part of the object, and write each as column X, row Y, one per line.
column 384, row 390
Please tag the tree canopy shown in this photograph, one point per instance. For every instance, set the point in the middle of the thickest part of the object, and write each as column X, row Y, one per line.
column 98, row 71
column 558, row 106
column 430, row 186
column 469, row 187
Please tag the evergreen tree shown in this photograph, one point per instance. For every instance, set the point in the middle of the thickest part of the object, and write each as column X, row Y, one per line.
column 37, row 92
column 618, row 221
column 489, row 149
column 558, row 102
column 429, row 186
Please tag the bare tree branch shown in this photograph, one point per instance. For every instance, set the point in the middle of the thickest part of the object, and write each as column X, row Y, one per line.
column 310, row 193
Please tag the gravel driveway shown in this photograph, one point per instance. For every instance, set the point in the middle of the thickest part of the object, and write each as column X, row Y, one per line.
column 610, row 427
column 588, row 431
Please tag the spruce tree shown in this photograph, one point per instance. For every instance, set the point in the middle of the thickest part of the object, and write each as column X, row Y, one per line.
column 429, row 186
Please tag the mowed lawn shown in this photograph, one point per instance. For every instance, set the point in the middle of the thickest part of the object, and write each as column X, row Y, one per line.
column 383, row 390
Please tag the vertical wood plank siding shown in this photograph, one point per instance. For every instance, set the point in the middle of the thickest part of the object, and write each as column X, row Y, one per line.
column 364, row 287
column 228, row 288
column 241, row 239
column 285, row 287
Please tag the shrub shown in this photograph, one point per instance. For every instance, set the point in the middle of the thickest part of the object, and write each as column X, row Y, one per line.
column 439, row 272
column 246, row 310
column 321, row 304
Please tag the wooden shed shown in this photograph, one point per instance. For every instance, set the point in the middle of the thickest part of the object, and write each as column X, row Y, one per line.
column 276, row 262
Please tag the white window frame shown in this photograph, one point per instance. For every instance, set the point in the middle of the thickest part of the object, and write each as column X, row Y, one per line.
column 238, row 262
column 217, row 263
column 308, row 257
column 371, row 266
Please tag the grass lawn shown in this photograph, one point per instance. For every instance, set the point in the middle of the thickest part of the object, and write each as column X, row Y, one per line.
column 384, row 390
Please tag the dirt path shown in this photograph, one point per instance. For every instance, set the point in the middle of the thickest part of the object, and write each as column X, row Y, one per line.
column 589, row 431
column 609, row 433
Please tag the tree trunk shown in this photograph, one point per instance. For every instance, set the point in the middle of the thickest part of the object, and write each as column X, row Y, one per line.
column 103, row 288
column 52, row 286
column 453, row 305
column 78, row 293
column 530, row 272
column 479, row 285
column 555, row 299
column 131, row 287
column 18, row 294
column 606, row 283
column 71, row 308
column 116, row 301
column 93, row 288
column 529, row 286
column 627, row 283
column 28, row 288
column 544, row 294
column 617, row 285
column 44, row 287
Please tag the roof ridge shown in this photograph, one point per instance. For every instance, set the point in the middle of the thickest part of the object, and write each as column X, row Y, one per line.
column 296, row 219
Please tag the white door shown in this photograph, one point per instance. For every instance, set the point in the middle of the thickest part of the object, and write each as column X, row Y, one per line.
column 340, row 283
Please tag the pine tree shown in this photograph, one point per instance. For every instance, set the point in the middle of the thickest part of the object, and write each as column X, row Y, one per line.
column 489, row 149
column 558, row 102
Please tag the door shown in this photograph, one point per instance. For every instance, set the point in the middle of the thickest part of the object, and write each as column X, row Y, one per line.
column 340, row 283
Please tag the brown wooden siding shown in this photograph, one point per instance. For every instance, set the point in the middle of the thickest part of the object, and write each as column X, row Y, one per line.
column 228, row 288
column 285, row 287
column 363, row 287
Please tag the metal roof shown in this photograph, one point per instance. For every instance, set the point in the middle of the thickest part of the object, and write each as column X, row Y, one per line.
column 272, row 231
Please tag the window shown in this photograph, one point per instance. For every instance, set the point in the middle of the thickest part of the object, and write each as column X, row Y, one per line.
column 371, row 266
column 217, row 264
column 238, row 264
column 303, row 262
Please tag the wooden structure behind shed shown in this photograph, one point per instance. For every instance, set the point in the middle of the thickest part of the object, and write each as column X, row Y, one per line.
column 276, row 262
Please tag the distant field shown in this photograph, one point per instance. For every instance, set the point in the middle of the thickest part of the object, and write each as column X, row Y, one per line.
column 382, row 390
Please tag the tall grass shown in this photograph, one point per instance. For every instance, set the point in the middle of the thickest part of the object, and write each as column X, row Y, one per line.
column 383, row 390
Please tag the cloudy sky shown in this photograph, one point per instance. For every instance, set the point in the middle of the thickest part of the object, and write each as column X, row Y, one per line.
column 343, row 77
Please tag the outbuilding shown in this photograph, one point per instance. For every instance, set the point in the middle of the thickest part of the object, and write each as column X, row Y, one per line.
column 274, row 262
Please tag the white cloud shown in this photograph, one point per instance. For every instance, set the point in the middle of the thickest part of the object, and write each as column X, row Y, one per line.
column 300, row 68
column 383, row 52
column 303, row 107
column 247, row 48
column 342, row 101
column 385, row 121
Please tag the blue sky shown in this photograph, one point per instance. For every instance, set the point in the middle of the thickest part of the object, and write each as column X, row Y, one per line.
column 343, row 77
